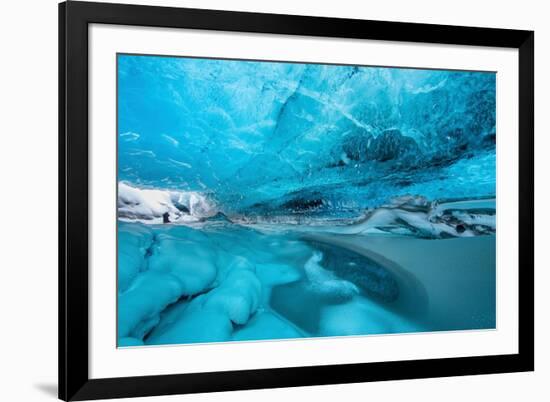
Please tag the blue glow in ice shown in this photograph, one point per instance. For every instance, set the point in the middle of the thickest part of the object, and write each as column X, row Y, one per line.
column 265, row 200
column 276, row 138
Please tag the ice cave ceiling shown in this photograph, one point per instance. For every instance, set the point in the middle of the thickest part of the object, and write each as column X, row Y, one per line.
column 263, row 137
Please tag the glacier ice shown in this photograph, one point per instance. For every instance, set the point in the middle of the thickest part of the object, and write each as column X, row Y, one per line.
column 324, row 282
column 194, row 268
column 266, row 200
column 222, row 282
column 362, row 317
column 131, row 258
column 149, row 204
column 267, row 325
column 272, row 138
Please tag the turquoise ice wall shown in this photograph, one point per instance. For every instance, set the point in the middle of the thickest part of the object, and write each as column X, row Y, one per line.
column 277, row 138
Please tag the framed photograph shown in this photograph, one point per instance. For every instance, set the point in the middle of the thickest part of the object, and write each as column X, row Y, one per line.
column 256, row 200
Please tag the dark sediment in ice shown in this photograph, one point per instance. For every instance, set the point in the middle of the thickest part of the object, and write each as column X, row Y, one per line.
column 373, row 278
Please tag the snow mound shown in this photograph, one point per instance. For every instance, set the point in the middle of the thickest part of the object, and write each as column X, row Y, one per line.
column 148, row 205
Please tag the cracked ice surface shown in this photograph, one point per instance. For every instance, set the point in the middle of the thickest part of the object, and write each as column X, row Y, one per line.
column 268, row 138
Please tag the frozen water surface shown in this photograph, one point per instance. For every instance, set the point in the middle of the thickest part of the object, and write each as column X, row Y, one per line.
column 265, row 200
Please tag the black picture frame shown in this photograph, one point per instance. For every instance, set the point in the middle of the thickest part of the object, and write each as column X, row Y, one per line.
column 74, row 18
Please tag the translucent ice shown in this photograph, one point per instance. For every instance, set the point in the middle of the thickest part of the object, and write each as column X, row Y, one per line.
column 269, row 200
column 221, row 283
column 135, row 241
column 270, row 138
